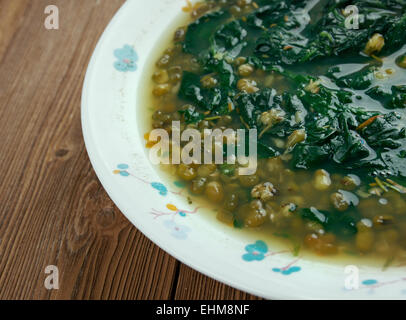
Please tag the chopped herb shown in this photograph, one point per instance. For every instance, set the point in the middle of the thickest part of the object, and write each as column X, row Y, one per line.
column 227, row 169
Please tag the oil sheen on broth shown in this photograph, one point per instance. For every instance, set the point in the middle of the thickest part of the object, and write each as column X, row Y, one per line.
column 328, row 103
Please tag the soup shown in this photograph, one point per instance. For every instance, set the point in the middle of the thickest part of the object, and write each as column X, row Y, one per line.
column 326, row 91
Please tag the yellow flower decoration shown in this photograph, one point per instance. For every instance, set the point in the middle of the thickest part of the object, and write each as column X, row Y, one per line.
column 171, row 207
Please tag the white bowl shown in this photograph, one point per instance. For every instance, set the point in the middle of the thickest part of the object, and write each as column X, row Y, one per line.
column 113, row 132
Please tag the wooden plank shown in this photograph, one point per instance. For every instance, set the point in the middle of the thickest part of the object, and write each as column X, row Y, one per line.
column 53, row 209
column 11, row 17
column 194, row 285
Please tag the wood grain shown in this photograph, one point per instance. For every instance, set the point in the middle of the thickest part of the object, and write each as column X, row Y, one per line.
column 194, row 285
column 53, row 210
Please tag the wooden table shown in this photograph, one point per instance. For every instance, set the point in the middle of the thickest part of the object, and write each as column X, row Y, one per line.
column 53, row 210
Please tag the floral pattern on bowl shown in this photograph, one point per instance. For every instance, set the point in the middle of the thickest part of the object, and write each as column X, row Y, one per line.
column 127, row 58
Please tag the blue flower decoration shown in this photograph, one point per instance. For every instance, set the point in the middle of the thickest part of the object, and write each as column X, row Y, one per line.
column 163, row 191
column 287, row 272
column 122, row 170
column 178, row 231
column 256, row 251
column 182, row 214
column 369, row 282
column 127, row 58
